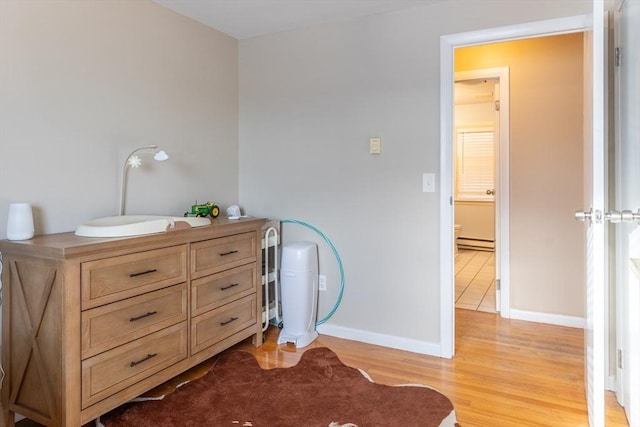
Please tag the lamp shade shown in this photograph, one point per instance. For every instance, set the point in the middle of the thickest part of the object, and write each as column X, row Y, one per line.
column 161, row 156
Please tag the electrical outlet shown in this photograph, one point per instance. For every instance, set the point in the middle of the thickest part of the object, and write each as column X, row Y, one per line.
column 322, row 282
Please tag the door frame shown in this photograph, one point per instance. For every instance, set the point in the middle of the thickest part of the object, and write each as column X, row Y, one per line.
column 627, row 296
column 448, row 43
column 501, row 181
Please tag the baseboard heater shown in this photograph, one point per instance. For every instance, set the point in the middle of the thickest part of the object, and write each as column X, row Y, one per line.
column 476, row 244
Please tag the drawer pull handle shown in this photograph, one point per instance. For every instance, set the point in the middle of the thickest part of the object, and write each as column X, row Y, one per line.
column 143, row 272
column 228, row 253
column 233, row 319
column 151, row 313
column 147, row 357
column 224, row 288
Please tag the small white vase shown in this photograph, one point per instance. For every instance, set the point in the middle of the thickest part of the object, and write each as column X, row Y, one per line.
column 20, row 221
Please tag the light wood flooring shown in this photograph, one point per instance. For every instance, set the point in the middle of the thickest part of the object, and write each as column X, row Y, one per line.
column 505, row 372
column 475, row 280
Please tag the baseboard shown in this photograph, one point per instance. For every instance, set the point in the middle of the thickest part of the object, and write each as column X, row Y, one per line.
column 475, row 244
column 431, row 348
column 553, row 319
column 399, row 343
column 476, row 248
column 611, row 383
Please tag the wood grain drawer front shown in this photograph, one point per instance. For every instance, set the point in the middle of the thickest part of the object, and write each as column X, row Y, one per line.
column 216, row 325
column 213, row 291
column 117, row 369
column 116, row 278
column 212, row 256
column 120, row 322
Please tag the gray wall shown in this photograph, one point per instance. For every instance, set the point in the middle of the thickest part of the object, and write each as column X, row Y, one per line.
column 84, row 83
column 309, row 101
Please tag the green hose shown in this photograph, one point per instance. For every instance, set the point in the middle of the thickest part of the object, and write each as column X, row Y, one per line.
column 338, row 260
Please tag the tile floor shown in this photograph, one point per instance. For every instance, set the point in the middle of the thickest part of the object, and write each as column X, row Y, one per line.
column 475, row 280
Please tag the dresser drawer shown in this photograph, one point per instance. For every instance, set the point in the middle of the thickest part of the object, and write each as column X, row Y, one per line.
column 110, row 372
column 216, row 325
column 215, row 255
column 117, row 323
column 218, row 289
column 116, row 278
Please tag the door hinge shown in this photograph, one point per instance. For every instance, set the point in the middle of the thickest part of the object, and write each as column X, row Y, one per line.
column 450, row 200
column 497, row 105
column 617, row 57
column 620, row 364
column 498, row 284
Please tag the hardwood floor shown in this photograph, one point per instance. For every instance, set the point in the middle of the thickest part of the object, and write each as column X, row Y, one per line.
column 505, row 372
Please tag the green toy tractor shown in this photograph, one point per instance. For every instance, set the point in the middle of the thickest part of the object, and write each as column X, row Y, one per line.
column 205, row 209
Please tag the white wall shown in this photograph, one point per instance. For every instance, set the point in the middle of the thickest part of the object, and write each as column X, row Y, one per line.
column 309, row 100
column 82, row 83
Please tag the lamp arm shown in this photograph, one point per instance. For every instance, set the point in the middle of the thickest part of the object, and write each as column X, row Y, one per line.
column 123, row 183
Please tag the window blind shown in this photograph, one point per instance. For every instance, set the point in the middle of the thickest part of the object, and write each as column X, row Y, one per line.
column 475, row 164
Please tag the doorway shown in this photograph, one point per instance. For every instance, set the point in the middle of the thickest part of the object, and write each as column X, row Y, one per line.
column 593, row 102
column 546, row 172
column 530, row 212
column 481, row 118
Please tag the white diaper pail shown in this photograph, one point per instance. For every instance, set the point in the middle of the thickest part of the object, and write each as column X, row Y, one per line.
column 457, row 231
column 299, row 293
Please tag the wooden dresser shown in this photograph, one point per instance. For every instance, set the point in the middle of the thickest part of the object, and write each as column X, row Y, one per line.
column 89, row 323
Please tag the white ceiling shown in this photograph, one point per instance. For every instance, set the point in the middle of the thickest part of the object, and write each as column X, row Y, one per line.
column 249, row 18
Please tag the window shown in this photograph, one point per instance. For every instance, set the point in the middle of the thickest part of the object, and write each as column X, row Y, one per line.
column 475, row 165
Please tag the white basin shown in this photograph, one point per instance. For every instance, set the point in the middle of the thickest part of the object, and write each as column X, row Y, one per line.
column 136, row 225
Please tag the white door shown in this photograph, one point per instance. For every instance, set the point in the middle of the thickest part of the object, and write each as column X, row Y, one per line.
column 595, row 199
column 628, row 198
column 475, row 168
column 493, row 217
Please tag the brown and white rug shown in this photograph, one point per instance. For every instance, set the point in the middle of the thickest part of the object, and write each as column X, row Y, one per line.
column 319, row 391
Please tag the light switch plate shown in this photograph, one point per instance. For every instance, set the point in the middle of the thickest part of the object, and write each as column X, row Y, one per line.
column 428, row 182
column 375, row 145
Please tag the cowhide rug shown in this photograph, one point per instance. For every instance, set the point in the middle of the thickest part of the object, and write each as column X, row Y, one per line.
column 319, row 391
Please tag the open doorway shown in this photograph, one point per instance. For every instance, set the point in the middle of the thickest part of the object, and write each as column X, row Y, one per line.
column 542, row 170
column 546, row 103
column 480, row 119
column 592, row 100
